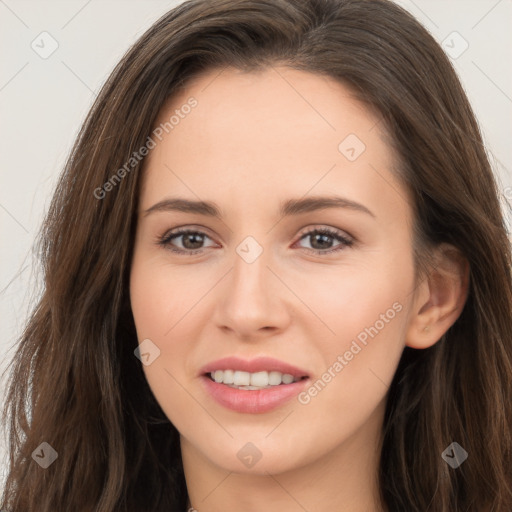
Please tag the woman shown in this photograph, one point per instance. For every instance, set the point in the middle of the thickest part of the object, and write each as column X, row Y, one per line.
column 189, row 351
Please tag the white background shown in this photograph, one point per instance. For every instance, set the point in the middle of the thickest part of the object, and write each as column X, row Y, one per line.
column 43, row 102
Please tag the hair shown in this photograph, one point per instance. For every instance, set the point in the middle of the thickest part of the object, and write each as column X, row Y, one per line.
column 75, row 382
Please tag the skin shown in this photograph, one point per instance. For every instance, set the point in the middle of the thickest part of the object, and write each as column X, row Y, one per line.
column 252, row 141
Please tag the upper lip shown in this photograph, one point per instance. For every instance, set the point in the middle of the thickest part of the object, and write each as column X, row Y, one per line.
column 258, row 364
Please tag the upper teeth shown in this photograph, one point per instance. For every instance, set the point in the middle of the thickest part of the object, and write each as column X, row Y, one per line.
column 258, row 379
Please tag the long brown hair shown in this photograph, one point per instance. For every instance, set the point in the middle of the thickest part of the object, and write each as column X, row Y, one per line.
column 75, row 382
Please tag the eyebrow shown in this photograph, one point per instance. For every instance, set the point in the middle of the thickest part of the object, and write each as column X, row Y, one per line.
column 287, row 208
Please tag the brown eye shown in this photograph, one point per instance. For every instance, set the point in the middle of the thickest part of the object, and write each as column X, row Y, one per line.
column 322, row 239
column 191, row 241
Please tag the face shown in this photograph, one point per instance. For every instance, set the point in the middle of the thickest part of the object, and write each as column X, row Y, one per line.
column 267, row 287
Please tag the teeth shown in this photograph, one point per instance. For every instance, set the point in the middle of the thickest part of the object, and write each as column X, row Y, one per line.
column 246, row 380
column 241, row 379
column 228, row 376
column 274, row 378
column 287, row 378
column 259, row 379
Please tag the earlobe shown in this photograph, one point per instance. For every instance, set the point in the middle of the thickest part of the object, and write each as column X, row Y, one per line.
column 439, row 298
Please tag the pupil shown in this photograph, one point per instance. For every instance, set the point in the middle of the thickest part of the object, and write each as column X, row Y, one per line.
column 325, row 240
column 199, row 240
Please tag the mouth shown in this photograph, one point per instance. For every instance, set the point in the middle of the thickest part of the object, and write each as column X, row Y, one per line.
column 254, row 386
column 238, row 379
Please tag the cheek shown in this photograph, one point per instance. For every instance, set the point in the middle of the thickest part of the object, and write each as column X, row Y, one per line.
column 367, row 315
column 346, row 302
column 161, row 295
column 161, row 300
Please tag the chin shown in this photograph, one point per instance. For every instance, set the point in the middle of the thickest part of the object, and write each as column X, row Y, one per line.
column 257, row 457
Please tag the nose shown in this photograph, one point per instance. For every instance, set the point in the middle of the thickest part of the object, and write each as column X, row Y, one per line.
column 252, row 301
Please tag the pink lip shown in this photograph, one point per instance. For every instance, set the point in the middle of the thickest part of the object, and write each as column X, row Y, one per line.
column 252, row 400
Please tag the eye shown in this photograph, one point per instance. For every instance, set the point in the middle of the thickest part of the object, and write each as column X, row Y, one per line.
column 322, row 238
column 191, row 241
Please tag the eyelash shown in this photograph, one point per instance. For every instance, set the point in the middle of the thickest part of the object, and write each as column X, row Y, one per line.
column 345, row 242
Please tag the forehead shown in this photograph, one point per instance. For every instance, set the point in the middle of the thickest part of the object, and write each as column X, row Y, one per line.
column 277, row 132
column 267, row 102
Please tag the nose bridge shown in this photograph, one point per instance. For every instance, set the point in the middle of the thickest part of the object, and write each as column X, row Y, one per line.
column 250, row 272
column 251, row 297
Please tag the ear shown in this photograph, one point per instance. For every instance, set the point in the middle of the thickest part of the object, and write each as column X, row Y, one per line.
column 439, row 298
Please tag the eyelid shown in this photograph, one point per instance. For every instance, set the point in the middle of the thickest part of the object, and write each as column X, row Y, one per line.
column 179, row 230
column 324, row 227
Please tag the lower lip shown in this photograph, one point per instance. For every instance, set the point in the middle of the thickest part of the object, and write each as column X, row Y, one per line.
column 252, row 400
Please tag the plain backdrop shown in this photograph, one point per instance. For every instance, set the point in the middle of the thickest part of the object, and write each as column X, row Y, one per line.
column 44, row 98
